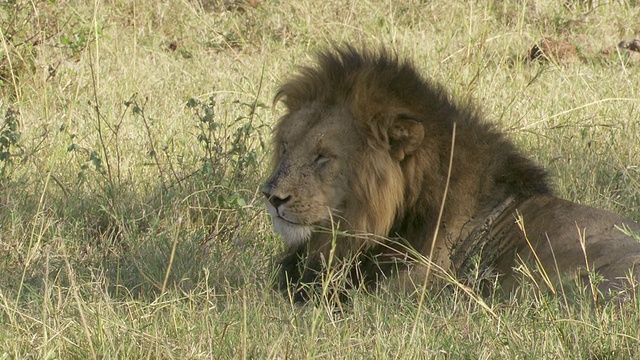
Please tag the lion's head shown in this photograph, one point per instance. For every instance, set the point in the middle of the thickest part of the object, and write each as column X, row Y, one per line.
column 331, row 161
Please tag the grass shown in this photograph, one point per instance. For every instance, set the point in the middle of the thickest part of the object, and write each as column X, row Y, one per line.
column 134, row 138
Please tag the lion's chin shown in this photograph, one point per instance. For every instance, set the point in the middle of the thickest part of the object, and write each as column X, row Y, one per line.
column 292, row 234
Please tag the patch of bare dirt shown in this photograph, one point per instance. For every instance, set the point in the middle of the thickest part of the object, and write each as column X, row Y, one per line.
column 579, row 48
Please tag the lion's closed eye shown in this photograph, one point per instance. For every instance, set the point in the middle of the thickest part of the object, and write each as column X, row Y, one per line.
column 321, row 159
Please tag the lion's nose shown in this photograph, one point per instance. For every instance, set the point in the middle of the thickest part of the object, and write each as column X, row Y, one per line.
column 275, row 200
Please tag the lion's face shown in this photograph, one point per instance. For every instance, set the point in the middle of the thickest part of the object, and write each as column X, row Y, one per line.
column 314, row 149
column 332, row 168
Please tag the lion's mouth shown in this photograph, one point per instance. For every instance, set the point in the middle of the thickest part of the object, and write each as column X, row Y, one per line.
column 288, row 221
column 292, row 233
column 275, row 213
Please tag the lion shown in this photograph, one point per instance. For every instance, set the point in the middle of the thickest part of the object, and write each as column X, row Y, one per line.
column 372, row 163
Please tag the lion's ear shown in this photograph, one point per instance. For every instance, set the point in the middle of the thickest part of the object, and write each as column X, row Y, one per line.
column 405, row 136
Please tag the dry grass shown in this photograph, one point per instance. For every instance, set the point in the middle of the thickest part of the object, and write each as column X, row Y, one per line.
column 131, row 225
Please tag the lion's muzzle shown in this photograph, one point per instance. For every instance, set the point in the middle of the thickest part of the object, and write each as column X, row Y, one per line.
column 292, row 232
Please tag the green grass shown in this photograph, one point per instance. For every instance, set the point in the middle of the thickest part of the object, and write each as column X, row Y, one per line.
column 134, row 137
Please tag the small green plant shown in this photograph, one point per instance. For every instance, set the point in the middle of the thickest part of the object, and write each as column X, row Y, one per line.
column 207, row 137
column 229, row 150
column 78, row 39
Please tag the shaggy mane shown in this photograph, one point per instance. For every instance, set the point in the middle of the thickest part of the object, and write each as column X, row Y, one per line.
column 338, row 74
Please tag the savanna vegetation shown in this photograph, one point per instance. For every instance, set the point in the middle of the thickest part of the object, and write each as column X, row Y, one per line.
column 134, row 138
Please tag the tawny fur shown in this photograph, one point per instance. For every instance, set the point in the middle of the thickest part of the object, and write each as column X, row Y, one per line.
column 364, row 149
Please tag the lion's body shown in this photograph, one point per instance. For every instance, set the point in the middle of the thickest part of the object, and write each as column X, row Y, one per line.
column 555, row 229
column 364, row 150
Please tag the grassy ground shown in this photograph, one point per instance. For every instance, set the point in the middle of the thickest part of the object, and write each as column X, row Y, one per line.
column 134, row 138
